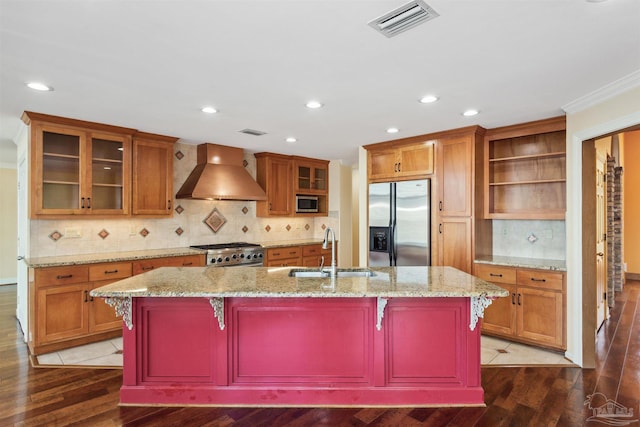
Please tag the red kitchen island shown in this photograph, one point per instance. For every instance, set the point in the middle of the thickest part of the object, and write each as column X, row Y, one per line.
column 242, row 336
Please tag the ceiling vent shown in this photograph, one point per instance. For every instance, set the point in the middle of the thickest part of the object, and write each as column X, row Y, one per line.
column 403, row 18
column 252, row 132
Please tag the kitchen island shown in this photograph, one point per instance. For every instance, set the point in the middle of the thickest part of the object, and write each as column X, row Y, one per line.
column 393, row 336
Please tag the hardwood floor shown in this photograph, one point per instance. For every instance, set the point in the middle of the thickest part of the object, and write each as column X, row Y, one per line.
column 525, row 396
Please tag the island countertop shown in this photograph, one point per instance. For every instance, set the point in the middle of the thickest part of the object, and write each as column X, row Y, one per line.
column 216, row 282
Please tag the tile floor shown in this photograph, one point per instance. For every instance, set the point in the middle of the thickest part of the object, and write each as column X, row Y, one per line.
column 495, row 352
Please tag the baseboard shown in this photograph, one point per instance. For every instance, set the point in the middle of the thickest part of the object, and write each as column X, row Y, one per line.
column 632, row 276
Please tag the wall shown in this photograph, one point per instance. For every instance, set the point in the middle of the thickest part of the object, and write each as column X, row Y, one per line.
column 631, row 202
column 8, row 225
column 529, row 239
column 186, row 228
column 608, row 110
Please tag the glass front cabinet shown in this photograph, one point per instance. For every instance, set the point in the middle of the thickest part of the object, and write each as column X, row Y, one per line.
column 311, row 176
column 78, row 171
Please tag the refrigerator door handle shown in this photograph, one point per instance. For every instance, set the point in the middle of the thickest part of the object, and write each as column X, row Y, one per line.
column 394, row 246
column 390, row 248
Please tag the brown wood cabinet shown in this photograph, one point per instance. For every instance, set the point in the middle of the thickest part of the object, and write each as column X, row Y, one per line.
column 284, row 177
column 534, row 312
column 298, row 256
column 62, row 314
column 152, row 175
column 78, row 168
column 404, row 159
column 526, row 174
column 454, row 243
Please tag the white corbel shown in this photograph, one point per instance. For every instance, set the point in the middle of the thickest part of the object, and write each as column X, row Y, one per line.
column 218, row 310
column 382, row 303
column 122, row 306
column 478, row 304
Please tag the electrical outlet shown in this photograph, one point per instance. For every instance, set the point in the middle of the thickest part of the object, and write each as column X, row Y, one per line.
column 72, row 233
column 133, row 230
column 624, row 266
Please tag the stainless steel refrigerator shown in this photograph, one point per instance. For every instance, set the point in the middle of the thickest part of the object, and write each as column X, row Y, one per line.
column 399, row 223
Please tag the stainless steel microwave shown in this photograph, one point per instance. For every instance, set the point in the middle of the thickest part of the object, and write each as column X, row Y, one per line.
column 305, row 204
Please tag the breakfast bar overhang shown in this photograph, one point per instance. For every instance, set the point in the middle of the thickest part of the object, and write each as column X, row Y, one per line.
column 395, row 336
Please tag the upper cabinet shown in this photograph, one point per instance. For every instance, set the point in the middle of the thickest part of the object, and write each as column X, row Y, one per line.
column 152, row 175
column 285, row 178
column 82, row 168
column 311, row 176
column 78, row 169
column 526, row 173
column 401, row 159
column 455, row 158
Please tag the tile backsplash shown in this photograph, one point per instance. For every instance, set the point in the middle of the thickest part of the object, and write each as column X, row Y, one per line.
column 529, row 239
column 233, row 221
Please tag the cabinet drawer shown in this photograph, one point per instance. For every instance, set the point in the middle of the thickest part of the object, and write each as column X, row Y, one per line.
column 286, row 262
column 61, row 275
column 311, row 250
column 541, row 279
column 109, row 271
column 283, row 253
column 493, row 273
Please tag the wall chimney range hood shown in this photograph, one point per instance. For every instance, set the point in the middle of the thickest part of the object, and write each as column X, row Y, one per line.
column 220, row 175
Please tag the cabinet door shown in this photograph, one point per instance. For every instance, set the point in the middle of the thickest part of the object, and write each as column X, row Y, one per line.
column 540, row 316
column 455, row 170
column 415, row 160
column 152, row 178
column 108, row 175
column 454, row 243
column 57, row 170
column 279, row 187
column 383, row 163
column 102, row 317
column 61, row 313
column 500, row 316
column 311, row 178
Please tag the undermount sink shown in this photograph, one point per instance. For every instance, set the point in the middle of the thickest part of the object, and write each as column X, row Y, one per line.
column 340, row 272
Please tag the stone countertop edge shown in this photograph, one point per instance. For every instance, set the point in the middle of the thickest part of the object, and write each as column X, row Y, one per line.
column 537, row 263
column 255, row 282
column 81, row 259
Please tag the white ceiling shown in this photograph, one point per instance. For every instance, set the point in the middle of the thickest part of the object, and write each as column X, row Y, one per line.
column 151, row 65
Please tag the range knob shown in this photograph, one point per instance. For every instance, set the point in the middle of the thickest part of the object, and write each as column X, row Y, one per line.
column 234, row 256
column 241, row 255
column 226, row 259
column 213, row 261
column 220, row 259
column 260, row 255
column 249, row 256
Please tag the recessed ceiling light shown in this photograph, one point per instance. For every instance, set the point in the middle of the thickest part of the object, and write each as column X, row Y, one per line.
column 209, row 110
column 314, row 104
column 291, row 139
column 393, row 130
column 39, row 86
column 470, row 113
column 428, row 99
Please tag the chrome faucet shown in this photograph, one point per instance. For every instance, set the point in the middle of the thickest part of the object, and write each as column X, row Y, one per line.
column 333, row 249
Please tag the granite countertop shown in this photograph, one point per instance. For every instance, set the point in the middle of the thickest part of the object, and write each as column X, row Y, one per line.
column 541, row 264
column 56, row 261
column 218, row 282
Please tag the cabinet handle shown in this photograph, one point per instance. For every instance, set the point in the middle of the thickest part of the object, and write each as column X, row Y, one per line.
column 86, row 296
column 66, row 276
column 399, row 167
column 440, row 228
column 495, row 275
column 513, row 298
column 147, row 268
column 292, row 253
column 110, row 271
column 269, row 206
column 440, row 205
column 88, row 202
column 533, row 279
column 82, row 203
column 276, row 254
column 168, row 205
column 519, row 299
column 187, row 263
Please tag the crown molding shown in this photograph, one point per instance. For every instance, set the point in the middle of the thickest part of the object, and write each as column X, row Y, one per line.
column 617, row 87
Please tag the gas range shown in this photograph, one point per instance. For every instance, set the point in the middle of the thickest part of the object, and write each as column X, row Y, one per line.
column 235, row 254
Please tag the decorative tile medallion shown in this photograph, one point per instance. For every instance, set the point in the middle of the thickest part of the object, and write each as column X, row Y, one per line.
column 179, row 231
column 324, row 226
column 288, row 227
column 215, row 220
column 532, row 238
column 268, row 228
column 245, row 210
column 144, row 232
column 245, row 229
column 179, row 155
column 103, row 233
column 245, row 163
column 55, row 236
column 307, row 227
column 179, row 209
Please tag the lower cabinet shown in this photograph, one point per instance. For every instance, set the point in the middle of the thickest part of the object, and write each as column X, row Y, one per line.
column 63, row 314
column 535, row 310
column 298, row 256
